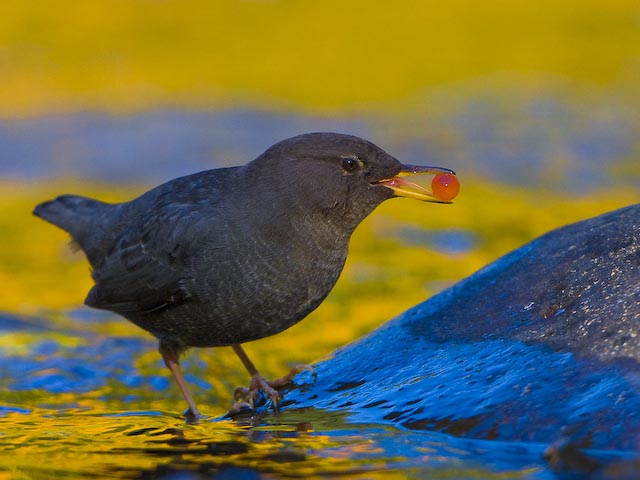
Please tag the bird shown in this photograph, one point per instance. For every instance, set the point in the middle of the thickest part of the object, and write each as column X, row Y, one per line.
column 230, row 255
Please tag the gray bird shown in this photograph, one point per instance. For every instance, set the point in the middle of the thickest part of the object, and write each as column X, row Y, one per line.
column 226, row 256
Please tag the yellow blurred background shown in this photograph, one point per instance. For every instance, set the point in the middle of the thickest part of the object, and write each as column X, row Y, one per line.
column 534, row 103
column 415, row 70
column 330, row 56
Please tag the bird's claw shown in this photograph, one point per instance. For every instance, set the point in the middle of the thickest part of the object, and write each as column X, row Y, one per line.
column 288, row 378
column 259, row 384
column 251, row 394
column 240, row 409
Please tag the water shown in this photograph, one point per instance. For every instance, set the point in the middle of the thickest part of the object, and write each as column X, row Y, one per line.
column 153, row 444
column 545, row 142
column 84, row 394
column 75, row 404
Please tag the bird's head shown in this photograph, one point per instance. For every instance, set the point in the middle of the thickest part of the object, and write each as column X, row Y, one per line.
column 339, row 176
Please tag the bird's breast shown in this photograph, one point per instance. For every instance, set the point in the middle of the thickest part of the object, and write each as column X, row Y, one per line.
column 269, row 284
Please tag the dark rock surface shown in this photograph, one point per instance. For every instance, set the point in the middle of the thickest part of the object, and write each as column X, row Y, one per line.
column 540, row 345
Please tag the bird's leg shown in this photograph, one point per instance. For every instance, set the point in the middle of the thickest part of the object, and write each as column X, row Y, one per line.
column 170, row 355
column 258, row 382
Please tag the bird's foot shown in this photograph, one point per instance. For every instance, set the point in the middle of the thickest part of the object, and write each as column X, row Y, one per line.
column 251, row 394
column 269, row 388
column 193, row 418
column 288, row 378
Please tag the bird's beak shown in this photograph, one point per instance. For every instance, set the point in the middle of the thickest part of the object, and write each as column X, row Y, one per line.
column 404, row 188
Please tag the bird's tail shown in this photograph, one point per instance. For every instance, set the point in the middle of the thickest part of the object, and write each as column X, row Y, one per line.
column 84, row 218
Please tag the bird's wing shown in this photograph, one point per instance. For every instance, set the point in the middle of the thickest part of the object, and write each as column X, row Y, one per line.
column 149, row 266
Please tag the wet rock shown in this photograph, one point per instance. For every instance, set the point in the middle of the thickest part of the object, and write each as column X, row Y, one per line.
column 543, row 340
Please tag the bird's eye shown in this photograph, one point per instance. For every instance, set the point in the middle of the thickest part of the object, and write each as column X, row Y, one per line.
column 351, row 164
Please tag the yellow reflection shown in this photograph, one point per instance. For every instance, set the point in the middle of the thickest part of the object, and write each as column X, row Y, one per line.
column 383, row 277
column 398, row 276
column 331, row 55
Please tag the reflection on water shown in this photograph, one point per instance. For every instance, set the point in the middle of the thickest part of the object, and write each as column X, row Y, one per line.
column 79, row 403
column 451, row 241
column 551, row 141
column 93, row 409
column 84, row 393
column 78, row 443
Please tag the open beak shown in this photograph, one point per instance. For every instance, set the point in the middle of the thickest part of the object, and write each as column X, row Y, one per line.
column 404, row 188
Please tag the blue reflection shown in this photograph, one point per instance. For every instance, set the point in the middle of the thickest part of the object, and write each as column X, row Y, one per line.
column 450, row 241
column 547, row 142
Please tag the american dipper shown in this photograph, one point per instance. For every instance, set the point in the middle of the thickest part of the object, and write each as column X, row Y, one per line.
column 230, row 255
